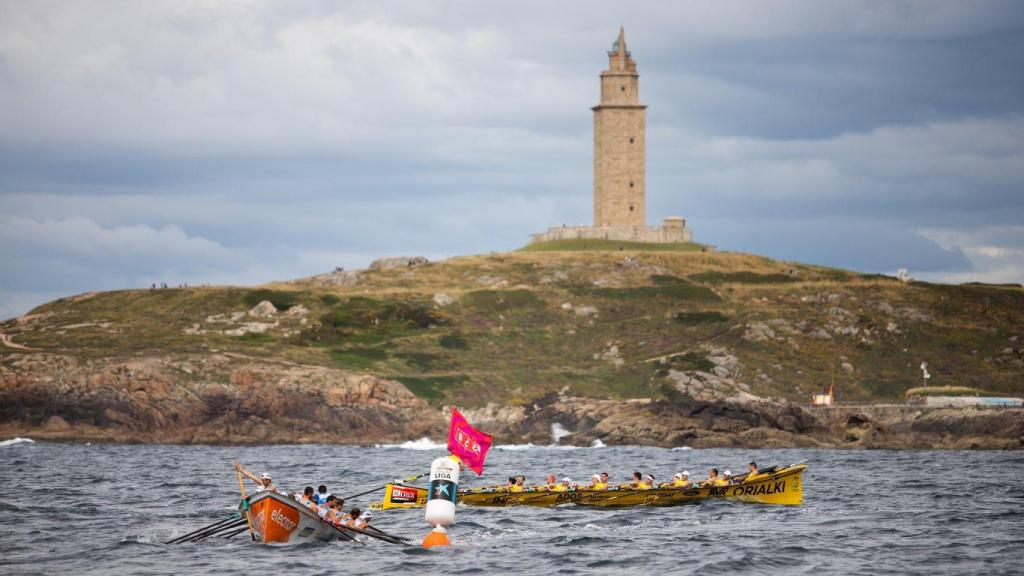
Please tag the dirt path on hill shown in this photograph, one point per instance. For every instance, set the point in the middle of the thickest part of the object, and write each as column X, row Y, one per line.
column 6, row 340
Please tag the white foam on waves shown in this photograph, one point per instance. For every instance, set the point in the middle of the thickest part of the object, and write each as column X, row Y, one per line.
column 514, row 447
column 421, row 444
column 558, row 431
column 14, row 441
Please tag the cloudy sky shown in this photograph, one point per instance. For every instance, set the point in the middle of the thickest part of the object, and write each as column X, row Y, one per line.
column 241, row 142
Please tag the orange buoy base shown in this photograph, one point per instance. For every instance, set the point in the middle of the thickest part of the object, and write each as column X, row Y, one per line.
column 436, row 537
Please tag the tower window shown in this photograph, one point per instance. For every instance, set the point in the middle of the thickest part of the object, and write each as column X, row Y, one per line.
column 630, row 139
column 623, row 88
column 630, row 185
column 630, row 208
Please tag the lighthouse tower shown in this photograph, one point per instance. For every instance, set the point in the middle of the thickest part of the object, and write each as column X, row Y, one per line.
column 619, row 154
column 620, row 166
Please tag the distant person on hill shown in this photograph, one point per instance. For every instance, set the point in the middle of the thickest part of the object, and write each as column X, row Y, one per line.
column 263, row 481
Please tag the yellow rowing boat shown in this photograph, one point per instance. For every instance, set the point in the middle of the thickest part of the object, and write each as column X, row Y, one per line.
column 783, row 486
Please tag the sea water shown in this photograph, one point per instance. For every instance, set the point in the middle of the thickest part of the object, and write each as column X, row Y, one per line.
column 107, row 509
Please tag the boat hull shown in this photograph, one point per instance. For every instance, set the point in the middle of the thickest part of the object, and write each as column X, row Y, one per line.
column 784, row 487
column 277, row 519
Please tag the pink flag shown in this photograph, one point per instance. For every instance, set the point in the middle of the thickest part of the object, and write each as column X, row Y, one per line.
column 468, row 443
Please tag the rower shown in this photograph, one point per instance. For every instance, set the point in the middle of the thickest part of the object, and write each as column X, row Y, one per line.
column 552, row 482
column 263, row 481
column 513, row 485
column 726, row 478
column 637, row 479
column 564, row 486
column 325, row 511
column 363, row 520
column 752, row 473
column 352, row 516
column 306, row 499
column 597, row 484
column 604, row 479
column 646, row 483
column 681, row 480
column 333, row 512
column 521, row 482
column 713, row 479
column 321, row 495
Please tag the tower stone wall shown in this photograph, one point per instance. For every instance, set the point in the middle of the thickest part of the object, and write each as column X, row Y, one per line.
column 620, row 187
column 619, row 154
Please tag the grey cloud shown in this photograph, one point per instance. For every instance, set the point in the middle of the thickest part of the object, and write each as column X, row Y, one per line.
column 292, row 135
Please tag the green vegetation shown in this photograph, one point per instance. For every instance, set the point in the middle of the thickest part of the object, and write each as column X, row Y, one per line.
column 280, row 299
column 741, row 278
column 595, row 321
column 433, row 389
column 945, row 391
column 709, row 317
column 579, row 244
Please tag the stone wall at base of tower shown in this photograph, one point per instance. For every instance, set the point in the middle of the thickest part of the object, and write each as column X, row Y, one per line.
column 668, row 234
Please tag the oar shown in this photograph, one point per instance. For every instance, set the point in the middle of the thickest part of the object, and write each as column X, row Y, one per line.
column 219, row 522
column 201, row 535
column 383, row 533
column 409, row 479
column 389, row 539
column 218, row 530
column 237, row 532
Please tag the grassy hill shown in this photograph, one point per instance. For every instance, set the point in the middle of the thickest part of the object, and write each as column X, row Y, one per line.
column 596, row 319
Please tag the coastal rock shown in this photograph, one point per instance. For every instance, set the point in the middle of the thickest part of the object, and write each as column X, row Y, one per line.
column 398, row 263
column 225, row 400
column 264, row 309
column 443, row 299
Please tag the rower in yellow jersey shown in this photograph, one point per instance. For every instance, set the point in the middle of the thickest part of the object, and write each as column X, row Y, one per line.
column 680, row 480
column 564, row 486
column 597, row 484
column 753, row 473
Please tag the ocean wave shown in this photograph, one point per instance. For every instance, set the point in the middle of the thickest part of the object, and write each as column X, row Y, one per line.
column 597, row 444
column 514, row 447
column 421, row 444
column 14, row 441
column 682, row 448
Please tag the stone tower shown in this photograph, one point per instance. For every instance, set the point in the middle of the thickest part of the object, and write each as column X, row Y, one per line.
column 619, row 155
column 620, row 121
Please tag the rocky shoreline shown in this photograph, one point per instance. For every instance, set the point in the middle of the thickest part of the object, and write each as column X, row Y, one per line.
column 231, row 399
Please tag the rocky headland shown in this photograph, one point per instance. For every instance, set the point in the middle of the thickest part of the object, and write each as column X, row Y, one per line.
column 666, row 349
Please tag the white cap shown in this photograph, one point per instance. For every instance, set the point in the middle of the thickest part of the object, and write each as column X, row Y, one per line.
column 366, row 515
column 595, row 477
column 727, row 473
column 649, row 477
column 678, row 475
column 566, row 479
column 264, row 476
column 686, row 473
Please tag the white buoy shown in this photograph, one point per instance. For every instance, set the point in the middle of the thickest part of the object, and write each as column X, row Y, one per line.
column 444, row 485
column 440, row 509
